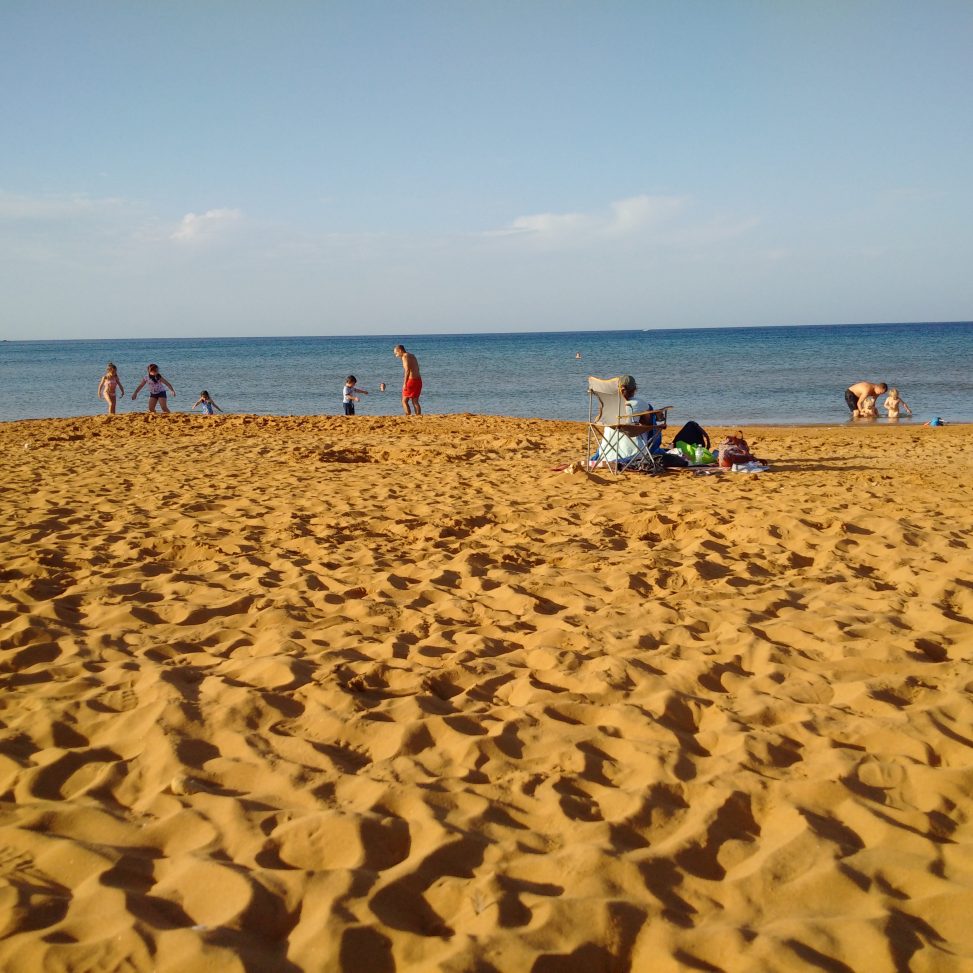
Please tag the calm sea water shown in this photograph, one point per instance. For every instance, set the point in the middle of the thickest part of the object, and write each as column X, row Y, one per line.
column 717, row 376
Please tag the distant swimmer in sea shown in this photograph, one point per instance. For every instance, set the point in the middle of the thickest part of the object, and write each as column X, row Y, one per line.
column 855, row 395
column 577, row 355
column 157, row 389
column 109, row 387
column 209, row 406
column 381, row 386
column 411, row 380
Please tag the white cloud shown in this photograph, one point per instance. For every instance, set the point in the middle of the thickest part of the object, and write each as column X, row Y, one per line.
column 549, row 224
column 638, row 212
column 202, row 226
column 624, row 217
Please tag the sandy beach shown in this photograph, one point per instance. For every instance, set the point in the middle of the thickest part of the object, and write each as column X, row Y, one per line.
column 386, row 694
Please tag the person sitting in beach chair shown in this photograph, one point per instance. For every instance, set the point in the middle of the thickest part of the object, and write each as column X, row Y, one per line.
column 630, row 435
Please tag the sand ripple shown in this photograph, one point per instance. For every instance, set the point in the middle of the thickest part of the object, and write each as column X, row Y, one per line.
column 383, row 695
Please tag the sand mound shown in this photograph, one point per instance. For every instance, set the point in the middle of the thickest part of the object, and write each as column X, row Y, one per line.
column 388, row 694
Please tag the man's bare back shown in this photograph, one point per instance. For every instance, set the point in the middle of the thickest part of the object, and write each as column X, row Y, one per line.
column 411, row 381
column 856, row 394
column 410, row 366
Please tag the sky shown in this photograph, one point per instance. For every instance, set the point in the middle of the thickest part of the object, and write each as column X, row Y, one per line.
column 173, row 168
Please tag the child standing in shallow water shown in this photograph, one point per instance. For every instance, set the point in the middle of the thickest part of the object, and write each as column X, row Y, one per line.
column 157, row 389
column 209, row 406
column 109, row 386
column 895, row 406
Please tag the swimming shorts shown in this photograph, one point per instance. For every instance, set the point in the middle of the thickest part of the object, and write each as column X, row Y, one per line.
column 158, row 395
column 851, row 400
column 412, row 389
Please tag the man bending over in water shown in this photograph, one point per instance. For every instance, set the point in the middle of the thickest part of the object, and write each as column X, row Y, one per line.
column 411, row 380
column 856, row 394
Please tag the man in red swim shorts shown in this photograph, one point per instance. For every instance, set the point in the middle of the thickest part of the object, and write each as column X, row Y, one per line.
column 411, row 381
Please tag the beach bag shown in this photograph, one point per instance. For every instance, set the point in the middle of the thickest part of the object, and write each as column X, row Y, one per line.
column 695, row 455
column 734, row 449
column 692, row 434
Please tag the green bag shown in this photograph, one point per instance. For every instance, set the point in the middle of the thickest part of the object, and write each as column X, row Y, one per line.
column 696, row 455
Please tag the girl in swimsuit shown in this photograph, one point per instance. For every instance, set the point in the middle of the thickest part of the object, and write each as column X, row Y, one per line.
column 157, row 389
column 109, row 387
column 209, row 406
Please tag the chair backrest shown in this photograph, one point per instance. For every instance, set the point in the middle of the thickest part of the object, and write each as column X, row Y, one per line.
column 613, row 409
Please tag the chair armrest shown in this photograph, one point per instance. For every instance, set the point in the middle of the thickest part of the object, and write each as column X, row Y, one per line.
column 654, row 412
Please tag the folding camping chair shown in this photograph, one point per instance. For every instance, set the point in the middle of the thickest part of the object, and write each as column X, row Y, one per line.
column 621, row 446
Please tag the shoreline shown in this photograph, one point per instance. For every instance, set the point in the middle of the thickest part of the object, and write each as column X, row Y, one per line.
column 328, row 693
column 904, row 423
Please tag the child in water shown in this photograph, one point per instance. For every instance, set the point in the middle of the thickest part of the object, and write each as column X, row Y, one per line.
column 109, row 387
column 867, row 409
column 209, row 406
column 350, row 394
column 895, row 406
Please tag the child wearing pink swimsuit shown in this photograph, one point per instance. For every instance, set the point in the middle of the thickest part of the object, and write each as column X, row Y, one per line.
column 109, row 386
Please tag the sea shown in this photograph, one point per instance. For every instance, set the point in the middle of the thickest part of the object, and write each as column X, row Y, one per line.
column 718, row 376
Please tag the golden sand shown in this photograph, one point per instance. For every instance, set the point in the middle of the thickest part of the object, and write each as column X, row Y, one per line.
column 375, row 695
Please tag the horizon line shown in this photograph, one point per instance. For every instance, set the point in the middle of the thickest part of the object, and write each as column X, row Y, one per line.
column 469, row 334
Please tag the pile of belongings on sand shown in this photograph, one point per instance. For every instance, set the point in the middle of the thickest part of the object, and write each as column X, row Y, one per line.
column 691, row 447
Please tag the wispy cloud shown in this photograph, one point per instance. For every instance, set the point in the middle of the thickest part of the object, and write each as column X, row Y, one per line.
column 624, row 217
column 53, row 207
column 204, row 226
column 639, row 212
column 548, row 225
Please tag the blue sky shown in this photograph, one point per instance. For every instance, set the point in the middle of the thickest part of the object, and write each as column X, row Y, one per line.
column 250, row 168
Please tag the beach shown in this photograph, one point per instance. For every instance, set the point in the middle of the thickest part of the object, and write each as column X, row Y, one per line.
column 387, row 694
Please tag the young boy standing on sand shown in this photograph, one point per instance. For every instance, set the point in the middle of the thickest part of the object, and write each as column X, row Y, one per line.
column 350, row 393
column 411, row 380
column 157, row 389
